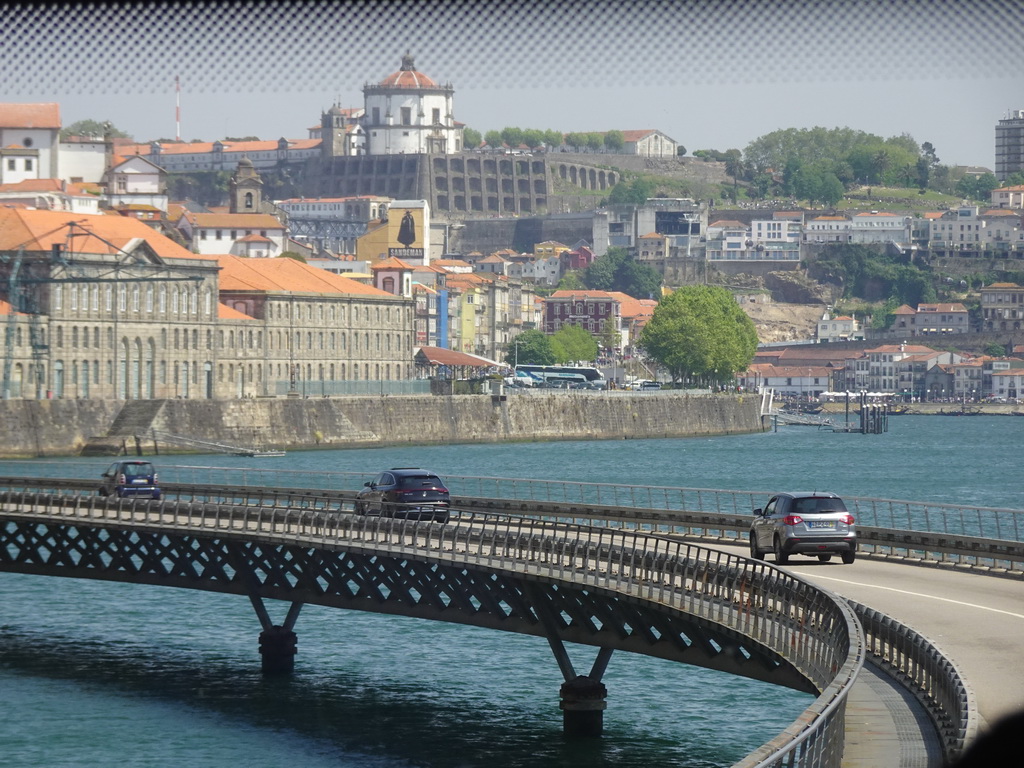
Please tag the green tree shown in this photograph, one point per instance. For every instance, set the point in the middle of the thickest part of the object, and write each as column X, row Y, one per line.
column 611, row 338
column 292, row 255
column 700, row 332
column 680, row 150
column 530, row 347
column 995, row 350
column 512, row 136
column 1015, row 179
column 614, row 141
column 493, row 139
column 618, row 271
column 93, row 128
column 533, row 138
column 471, row 138
column 573, row 344
column 576, row 140
column 553, row 139
column 595, row 141
column 635, row 192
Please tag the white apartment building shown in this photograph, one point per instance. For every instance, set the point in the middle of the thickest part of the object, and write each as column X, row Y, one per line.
column 879, row 227
column 1008, row 197
column 29, row 142
column 827, row 229
column 956, row 228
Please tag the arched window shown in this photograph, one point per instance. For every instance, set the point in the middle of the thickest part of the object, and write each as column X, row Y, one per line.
column 248, row 200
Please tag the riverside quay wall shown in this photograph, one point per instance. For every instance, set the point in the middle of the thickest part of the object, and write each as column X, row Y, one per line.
column 69, row 427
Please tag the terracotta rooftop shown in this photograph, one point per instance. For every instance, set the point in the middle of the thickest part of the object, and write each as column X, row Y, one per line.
column 286, row 275
column 42, row 115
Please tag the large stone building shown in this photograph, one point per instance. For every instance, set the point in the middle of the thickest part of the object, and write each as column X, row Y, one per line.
column 104, row 307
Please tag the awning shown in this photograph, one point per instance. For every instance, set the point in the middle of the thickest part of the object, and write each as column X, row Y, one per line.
column 450, row 357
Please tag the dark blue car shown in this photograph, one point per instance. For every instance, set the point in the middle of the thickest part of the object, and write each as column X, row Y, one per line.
column 130, row 477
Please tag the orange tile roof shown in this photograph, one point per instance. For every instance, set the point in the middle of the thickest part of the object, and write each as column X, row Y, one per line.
column 94, row 233
column 42, row 115
column 286, row 275
column 236, row 220
column 391, row 262
column 224, row 312
column 34, row 185
column 203, row 147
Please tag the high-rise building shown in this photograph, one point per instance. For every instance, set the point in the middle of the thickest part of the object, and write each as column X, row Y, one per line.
column 1010, row 144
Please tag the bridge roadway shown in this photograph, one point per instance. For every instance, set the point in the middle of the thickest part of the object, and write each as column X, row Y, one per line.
column 975, row 619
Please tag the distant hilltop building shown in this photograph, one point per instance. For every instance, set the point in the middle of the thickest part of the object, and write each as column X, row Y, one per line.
column 1010, row 144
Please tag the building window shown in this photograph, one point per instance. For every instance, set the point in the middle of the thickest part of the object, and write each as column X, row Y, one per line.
column 437, row 116
column 406, row 115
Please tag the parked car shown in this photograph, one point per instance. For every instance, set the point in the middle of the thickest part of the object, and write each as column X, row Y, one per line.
column 405, row 492
column 650, row 385
column 814, row 524
column 130, row 477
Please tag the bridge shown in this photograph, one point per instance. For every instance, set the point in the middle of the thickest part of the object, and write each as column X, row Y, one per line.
column 612, row 567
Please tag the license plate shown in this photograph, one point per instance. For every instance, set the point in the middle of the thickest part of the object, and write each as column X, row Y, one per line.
column 827, row 524
column 139, row 481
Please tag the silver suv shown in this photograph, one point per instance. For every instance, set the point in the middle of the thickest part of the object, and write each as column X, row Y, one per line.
column 814, row 524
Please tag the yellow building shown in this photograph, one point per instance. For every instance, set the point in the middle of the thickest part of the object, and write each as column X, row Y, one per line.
column 402, row 232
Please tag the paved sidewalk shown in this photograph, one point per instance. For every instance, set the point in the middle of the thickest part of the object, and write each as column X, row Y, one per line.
column 886, row 727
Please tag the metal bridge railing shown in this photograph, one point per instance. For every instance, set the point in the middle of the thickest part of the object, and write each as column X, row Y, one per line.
column 816, row 632
column 894, row 514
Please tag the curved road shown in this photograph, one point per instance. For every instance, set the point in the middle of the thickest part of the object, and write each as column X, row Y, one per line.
column 976, row 620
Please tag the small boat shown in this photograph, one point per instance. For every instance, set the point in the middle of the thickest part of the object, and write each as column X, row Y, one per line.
column 260, row 454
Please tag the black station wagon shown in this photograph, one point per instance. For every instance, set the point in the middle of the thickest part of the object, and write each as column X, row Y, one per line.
column 405, row 492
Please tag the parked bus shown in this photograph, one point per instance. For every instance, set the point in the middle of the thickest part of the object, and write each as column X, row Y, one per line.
column 590, row 378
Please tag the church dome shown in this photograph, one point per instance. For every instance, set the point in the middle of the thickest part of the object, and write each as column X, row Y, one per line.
column 407, row 77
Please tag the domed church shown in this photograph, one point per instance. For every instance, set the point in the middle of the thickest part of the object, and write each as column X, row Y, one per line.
column 407, row 113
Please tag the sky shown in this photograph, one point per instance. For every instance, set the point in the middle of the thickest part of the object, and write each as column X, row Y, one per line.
column 711, row 74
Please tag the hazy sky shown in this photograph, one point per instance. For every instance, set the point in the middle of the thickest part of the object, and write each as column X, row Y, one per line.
column 709, row 73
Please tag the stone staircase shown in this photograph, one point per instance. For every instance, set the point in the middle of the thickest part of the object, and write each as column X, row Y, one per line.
column 136, row 417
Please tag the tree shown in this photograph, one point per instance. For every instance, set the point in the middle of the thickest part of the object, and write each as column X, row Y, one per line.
column 618, row 271
column 512, row 136
column 614, row 141
column 573, row 344
column 471, row 138
column 533, row 138
column 493, row 139
column 633, row 192
column 93, row 128
column 595, row 141
column 530, row 347
column 553, row 138
column 611, row 337
column 680, row 150
column 700, row 332
column 292, row 255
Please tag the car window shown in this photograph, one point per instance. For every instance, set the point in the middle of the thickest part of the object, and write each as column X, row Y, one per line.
column 770, row 507
column 417, row 481
column 817, row 506
column 137, row 470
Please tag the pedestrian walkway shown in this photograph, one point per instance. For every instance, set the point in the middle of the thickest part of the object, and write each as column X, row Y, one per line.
column 886, row 727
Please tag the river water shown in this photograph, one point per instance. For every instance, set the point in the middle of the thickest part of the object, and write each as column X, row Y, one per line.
column 97, row 673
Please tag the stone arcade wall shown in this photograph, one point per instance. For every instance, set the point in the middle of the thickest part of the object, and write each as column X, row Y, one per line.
column 57, row 427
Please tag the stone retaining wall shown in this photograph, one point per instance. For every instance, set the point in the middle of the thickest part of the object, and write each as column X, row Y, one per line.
column 56, row 427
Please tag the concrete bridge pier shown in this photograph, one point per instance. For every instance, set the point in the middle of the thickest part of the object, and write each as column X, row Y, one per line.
column 583, row 705
column 582, row 696
column 278, row 643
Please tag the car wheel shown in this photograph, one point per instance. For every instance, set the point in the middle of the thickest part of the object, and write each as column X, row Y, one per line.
column 781, row 557
column 755, row 553
column 824, row 558
column 849, row 557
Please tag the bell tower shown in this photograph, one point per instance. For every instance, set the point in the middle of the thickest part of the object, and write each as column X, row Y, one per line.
column 246, row 193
